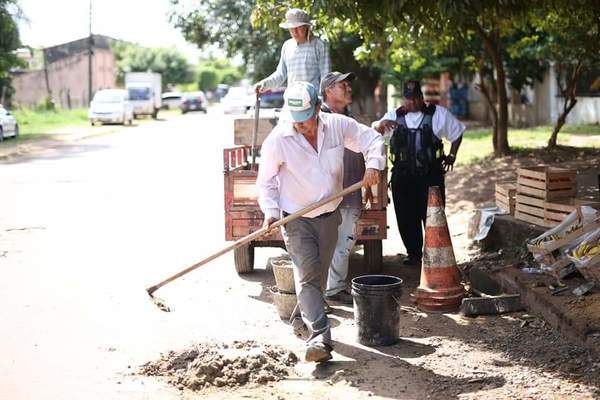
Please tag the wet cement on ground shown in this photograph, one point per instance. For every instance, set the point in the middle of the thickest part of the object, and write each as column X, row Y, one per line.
column 206, row 365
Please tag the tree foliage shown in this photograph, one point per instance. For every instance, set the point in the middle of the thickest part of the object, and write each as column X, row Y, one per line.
column 395, row 32
column 171, row 64
column 573, row 45
column 226, row 23
column 346, row 44
column 9, row 42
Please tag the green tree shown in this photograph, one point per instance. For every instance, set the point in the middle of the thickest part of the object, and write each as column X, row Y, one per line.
column 573, row 28
column 345, row 43
column 171, row 64
column 227, row 24
column 208, row 79
column 9, row 42
column 439, row 25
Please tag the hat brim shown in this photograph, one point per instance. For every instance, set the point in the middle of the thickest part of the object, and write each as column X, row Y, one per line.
column 350, row 76
column 301, row 116
column 289, row 25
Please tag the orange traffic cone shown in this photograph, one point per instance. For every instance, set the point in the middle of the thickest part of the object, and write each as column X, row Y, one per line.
column 440, row 289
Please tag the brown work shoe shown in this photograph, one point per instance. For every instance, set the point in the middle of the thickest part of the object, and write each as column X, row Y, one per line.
column 318, row 352
column 341, row 297
column 300, row 329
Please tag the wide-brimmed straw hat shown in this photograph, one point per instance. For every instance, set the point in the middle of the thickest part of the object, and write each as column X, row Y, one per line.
column 295, row 18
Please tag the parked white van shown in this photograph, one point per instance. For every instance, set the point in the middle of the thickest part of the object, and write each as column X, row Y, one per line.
column 111, row 106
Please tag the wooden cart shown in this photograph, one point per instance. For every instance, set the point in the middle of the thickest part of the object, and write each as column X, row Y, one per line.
column 243, row 215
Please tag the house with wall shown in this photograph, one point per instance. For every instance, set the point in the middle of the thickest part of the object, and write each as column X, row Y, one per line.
column 63, row 73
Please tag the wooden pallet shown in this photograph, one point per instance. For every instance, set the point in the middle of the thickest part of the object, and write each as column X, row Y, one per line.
column 547, row 183
column 506, row 196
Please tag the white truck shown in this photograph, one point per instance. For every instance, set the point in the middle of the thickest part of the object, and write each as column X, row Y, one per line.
column 144, row 90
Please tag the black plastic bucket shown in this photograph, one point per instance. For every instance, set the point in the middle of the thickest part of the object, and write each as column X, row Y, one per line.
column 376, row 309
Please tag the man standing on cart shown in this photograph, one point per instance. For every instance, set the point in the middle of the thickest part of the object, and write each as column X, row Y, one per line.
column 303, row 57
column 302, row 163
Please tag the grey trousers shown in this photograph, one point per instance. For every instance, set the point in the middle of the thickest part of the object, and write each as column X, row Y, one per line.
column 311, row 243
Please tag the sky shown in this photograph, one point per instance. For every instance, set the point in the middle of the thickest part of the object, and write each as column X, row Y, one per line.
column 52, row 22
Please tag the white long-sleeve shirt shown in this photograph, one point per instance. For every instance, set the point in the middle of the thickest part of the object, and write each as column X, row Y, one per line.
column 443, row 123
column 292, row 175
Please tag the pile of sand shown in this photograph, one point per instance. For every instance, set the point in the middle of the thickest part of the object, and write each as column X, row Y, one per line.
column 231, row 365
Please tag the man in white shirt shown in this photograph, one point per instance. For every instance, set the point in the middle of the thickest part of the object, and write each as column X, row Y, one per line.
column 301, row 163
column 419, row 162
column 303, row 58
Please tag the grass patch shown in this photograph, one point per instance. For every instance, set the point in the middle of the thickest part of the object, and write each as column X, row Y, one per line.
column 477, row 143
column 38, row 123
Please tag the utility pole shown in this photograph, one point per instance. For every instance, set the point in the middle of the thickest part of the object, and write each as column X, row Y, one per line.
column 90, row 54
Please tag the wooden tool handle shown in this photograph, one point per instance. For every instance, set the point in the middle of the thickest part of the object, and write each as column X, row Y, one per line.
column 257, row 234
column 255, row 129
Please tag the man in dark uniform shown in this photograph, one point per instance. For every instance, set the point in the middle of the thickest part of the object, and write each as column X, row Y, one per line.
column 417, row 154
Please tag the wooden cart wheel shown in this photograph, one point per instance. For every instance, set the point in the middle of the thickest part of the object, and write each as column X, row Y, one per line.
column 373, row 255
column 244, row 259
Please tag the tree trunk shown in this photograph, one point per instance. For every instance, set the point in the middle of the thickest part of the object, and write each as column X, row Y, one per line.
column 502, row 148
column 492, row 47
column 569, row 101
column 492, row 106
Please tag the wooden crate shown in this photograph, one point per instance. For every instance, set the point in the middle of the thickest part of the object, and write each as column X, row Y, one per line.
column 244, row 126
column 547, row 183
column 530, row 209
column 372, row 225
column 547, row 213
column 506, row 196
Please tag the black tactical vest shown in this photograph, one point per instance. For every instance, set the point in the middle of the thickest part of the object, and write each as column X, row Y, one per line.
column 416, row 152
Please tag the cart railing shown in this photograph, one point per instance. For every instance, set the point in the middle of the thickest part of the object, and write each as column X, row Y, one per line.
column 236, row 158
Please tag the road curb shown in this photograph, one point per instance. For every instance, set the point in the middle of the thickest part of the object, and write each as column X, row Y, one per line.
column 556, row 310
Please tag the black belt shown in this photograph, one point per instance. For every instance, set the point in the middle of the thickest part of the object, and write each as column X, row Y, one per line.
column 324, row 215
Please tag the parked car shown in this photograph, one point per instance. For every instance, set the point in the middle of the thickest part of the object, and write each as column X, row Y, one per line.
column 237, row 100
column 111, row 106
column 272, row 99
column 194, row 101
column 171, row 100
column 8, row 124
column 221, row 91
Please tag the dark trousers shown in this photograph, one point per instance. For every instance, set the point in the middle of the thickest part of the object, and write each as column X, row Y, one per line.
column 410, row 195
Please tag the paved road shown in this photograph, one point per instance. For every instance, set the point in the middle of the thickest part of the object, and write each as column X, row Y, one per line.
column 84, row 228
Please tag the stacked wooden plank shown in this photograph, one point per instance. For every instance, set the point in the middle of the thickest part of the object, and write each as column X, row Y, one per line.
column 506, row 196
column 545, row 195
